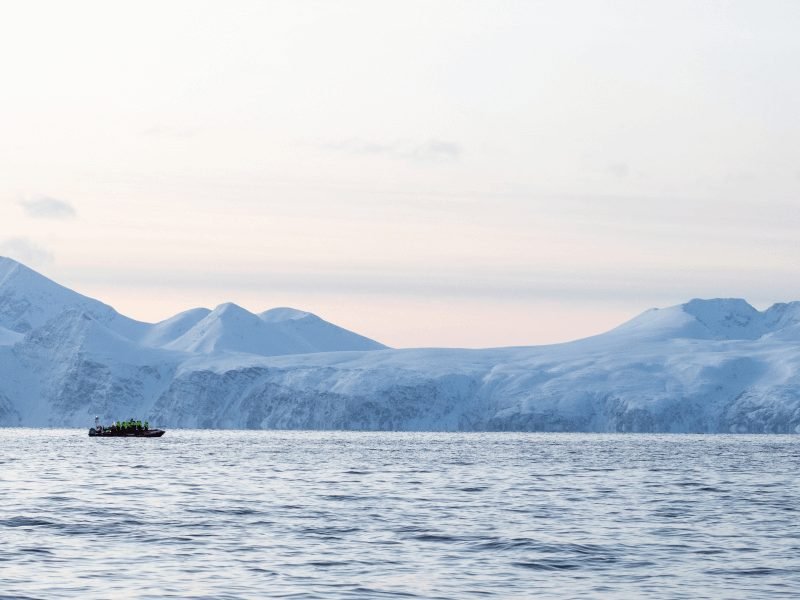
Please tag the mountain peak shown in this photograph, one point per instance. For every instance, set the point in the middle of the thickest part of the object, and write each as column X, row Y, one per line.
column 29, row 299
column 716, row 307
column 229, row 311
column 6, row 265
column 5, row 260
column 283, row 313
column 715, row 319
column 231, row 328
column 726, row 318
column 10, row 267
column 230, row 307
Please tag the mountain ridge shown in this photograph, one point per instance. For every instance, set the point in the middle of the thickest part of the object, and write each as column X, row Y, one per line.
column 706, row 366
column 29, row 300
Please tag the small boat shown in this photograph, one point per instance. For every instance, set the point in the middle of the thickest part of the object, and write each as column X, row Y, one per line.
column 124, row 429
column 117, row 433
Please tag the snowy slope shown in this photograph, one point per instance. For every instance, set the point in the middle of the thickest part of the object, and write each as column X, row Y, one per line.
column 601, row 384
column 282, row 313
column 309, row 333
column 8, row 337
column 719, row 319
column 166, row 332
column 704, row 366
column 231, row 328
column 29, row 300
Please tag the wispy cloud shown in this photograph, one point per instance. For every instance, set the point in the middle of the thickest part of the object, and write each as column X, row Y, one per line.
column 433, row 150
column 638, row 286
column 25, row 251
column 45, row 207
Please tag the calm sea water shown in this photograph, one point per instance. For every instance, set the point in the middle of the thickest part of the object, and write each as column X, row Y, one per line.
column 233, row 514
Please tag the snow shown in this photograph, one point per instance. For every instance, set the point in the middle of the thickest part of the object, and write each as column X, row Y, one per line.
column 29, row 300
column 704, row 366
column 169, row 330
column 8, row 337
column 717, row 319
column 282, row 313
column 231, row 328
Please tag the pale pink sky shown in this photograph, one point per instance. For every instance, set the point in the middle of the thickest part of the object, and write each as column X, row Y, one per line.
column 446, row 174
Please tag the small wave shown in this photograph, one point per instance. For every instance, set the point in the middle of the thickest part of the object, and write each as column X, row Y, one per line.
column 329, row 532
column 59, row 499
column 430, row 537
column 513, row 544
column 365, row 592
column 35, row 551
column 340, row 497
column 237, row 512
column 26, row 522
column 327, row 563
column 747, row 572
column 547, row 565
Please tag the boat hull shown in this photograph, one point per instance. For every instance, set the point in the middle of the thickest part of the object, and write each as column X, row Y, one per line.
column 150, row 433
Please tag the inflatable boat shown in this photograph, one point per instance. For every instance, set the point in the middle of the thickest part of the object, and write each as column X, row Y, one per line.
column 117, row 433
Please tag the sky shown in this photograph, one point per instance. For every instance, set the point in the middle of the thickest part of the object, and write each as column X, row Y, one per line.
column 425, row 173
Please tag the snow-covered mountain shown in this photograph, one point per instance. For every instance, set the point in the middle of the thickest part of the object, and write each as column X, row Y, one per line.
column 29, row 300
column 704, row 366
column 278, row 331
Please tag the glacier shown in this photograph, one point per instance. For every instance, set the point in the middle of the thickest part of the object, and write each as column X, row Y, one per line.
column 707, row 366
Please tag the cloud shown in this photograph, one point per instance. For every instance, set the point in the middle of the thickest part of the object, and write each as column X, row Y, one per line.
column 641, row 286
column 25, row 251
column 619, row 169
column 45, row 207
column 432, row 150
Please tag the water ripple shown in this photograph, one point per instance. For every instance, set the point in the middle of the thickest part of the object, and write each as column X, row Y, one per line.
column 220, row 514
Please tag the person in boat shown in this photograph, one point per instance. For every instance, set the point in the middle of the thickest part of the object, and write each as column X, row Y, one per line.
column 146, row 426
column 97, row 426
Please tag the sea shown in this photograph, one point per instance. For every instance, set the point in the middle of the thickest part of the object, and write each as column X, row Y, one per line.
column 301, row 514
